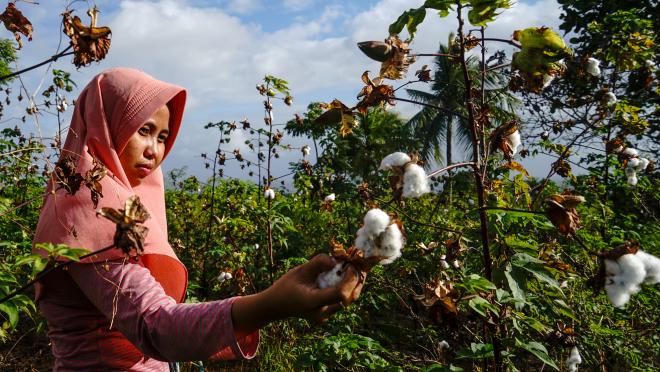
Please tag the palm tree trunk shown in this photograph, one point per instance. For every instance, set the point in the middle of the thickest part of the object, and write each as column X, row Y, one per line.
column 450, row 134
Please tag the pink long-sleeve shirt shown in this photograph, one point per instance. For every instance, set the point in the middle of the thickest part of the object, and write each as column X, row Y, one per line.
column 148, row 326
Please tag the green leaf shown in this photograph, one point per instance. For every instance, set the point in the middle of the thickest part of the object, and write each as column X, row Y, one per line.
column 409, row 19
column 12, row 312
column 443, row 6
column 476, row 283
column 517, row 283
column 476, row 351
column 538, row 350
column 534, row 266
column 480, row 305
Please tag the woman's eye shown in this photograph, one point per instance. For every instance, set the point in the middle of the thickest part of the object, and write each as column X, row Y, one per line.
column 143, row 131
column 162, row 138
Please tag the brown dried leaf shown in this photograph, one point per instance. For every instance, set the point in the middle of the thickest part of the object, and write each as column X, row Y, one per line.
column 396, row 65
column 560, row 209
column 93, row 179
column 90, row 44
column 17, row 23
column 516, row 166
column 337, row 112
column 424, row 74
column 498, row 138
column 374, row 94
column 562, row 167
column 129, row 234
column 65, row 174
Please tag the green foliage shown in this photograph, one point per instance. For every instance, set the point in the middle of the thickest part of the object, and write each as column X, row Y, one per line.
column 7, row 57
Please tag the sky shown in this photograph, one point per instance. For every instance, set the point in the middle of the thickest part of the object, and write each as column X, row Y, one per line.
column 219, row 51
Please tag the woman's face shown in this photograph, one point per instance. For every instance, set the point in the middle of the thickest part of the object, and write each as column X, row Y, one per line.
column 144, row 150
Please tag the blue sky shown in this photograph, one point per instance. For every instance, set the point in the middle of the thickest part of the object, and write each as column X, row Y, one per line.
column 219, row 51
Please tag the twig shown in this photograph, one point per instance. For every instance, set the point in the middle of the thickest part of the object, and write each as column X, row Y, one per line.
column 42, row 274
column 513, row 210
column 49, row 60
column 450, row 167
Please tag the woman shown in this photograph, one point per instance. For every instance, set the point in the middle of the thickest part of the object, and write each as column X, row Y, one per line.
column 112, row 313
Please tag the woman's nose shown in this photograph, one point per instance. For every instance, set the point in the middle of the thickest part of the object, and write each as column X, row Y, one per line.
column 152, row 149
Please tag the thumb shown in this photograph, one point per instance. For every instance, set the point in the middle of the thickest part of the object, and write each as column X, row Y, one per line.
column 342, row 292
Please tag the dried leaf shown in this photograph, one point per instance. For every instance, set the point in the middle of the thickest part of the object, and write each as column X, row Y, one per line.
column 65, row 174
column 516, row 166
column 396, row 65
column 498, row 138
column 562, row 167
column 17, row 23
column 560, row 209
column 93, row 179
column 90, row 44
column 129, row 233
column 374, row 94
column 337, row 112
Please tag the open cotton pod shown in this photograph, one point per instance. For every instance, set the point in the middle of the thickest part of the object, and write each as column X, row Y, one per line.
column 378, row 241
column 409, row 179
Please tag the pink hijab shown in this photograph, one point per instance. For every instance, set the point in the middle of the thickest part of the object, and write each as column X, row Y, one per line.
column 111, row 108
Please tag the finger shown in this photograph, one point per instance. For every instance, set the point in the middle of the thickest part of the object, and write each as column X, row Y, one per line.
column 326, row 312
column 319, row 264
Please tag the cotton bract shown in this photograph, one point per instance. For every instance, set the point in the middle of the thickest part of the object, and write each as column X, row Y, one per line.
column 593, row 66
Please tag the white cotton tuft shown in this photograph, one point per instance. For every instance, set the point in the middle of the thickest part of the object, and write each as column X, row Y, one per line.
column 331, row 277
column 415, row 182
column 651, row 265
column 630, row 152
column 305, row 150
column 375, row 222
column 330, row 198
column 633, row 163
column 609, row 98
column 633, row 272
column 649, row 63
column 573, row 360
column 643, row 163
column 391, row 242
column 632, row 180
column 397, row 159
column 593, row 66
column 624, row 277
column 269, row 194
column 224, row 276
column 443, row 345
column 514, row 141
column 547, row 80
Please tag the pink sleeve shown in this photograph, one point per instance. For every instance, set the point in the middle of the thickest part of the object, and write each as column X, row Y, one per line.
column 159, row 327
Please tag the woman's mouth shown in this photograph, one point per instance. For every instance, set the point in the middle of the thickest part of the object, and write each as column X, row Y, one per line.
column 143, row 170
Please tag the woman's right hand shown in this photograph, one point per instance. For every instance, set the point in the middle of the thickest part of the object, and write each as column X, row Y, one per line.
column 296, row 294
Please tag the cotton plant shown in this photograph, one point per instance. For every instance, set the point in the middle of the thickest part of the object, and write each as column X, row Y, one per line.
column 633, row 164
column 625, row 274
column 410, row 180
column 378, row 241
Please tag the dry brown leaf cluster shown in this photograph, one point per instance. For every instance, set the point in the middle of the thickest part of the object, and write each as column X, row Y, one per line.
column 374, row 94
column 337, row 112
column 560, row 209
column 439, row 294
column 90, row 44
column 562, row 167
column 16, row 23
column 129, row 233
column 396, row 65
column 66, row 177
column 424, row 74
column 498, row 138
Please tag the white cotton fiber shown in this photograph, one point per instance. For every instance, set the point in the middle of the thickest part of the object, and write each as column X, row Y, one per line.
column 375, row 222
column 610, row 98
column 651, row 265
column 397, row 159
column 514, row 141
column 593, row 67
column 617, row 294
column 643, row 163
column 573, row 360
column 631, row 152
column 415, row 183
column 391, row 242
column 624, row 277
column 633, row 163
column 547, row 79
column 633, row 272
column 330, row 198
column 331, row 278
column 364, row 242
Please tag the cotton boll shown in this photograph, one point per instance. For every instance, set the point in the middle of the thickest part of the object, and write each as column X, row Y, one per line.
column 331, row 278
column 305, row 150
column 651, row 265
column 612, row 268
column 633, row 272
column 617, row 293
column 633, row 163
column 364, row 242
column 375, row 222
column 514, row 141
column 443, row 345
column 269, row 194
column 632, row 180
column 397, row 159
column 630, row 171
column 630, row 152
column 415, row 182
column 593, row 66
column 643, row 163
column 224, row 276
column 573, row 360
column 609, row 98
column 391, row 242
column 330, row 198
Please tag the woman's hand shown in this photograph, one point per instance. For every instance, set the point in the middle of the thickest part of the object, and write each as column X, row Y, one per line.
column 296, row 294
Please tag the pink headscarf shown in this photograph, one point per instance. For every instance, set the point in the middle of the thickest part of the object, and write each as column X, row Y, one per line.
column 111, row 108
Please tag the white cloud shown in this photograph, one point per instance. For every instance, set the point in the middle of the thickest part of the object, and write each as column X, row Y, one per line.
column 243, row 6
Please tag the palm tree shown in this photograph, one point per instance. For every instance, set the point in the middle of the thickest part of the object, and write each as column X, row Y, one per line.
column 434, row 125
